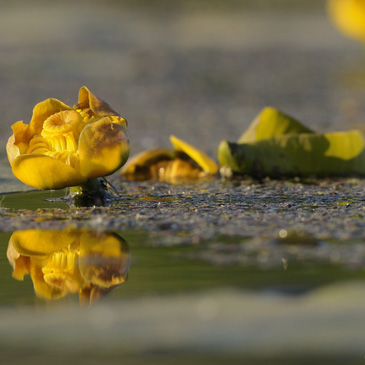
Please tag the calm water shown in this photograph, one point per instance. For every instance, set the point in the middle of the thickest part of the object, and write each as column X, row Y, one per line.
column 153, row 269
column 46, row 265
column 155, row 296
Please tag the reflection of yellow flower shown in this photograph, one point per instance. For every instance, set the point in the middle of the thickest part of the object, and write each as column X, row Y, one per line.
column 184, row 162
column 64, row 146
column 76, row 261
column 349, row 17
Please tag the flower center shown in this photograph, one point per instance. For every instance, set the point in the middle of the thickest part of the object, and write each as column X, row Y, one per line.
column 61, row 123
column 59, row 137
column 61, row 270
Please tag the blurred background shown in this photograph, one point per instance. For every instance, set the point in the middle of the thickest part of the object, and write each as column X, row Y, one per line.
column 199, row 69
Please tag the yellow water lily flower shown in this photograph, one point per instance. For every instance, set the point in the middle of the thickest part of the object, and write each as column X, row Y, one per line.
column 349, row 17
column 184, row 162
column 66, row 146
column 77, row 261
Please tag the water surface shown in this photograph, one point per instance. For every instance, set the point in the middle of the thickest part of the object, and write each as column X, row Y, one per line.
column 186, row 270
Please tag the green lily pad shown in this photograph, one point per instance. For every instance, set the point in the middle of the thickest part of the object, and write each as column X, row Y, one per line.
column 272, row 123
column 306, row 154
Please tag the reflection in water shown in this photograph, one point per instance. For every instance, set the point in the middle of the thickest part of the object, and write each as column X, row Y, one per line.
column 72, row 261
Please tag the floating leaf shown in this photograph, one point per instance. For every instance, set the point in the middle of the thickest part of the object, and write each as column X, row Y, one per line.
column 271, row 123
column 308, row 154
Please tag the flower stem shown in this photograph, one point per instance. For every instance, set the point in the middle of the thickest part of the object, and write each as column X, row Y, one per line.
column 93, row 192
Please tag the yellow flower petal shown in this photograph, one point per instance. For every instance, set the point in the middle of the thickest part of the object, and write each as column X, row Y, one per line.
column 42, row 111
column 63, row 281
column 44, row 172
column 21, row 267
column 205, row 162
column 12, row 254
column 349, row 17
column 138, row 165
column 20, row 264
column 103, row 148
column 12, row 150
column 18, row 142
column 101, row 243
column 99, row 107
column 180, row 170
column 21, row 132
column 41, row 288
column 104, row 259
column 41, row 243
